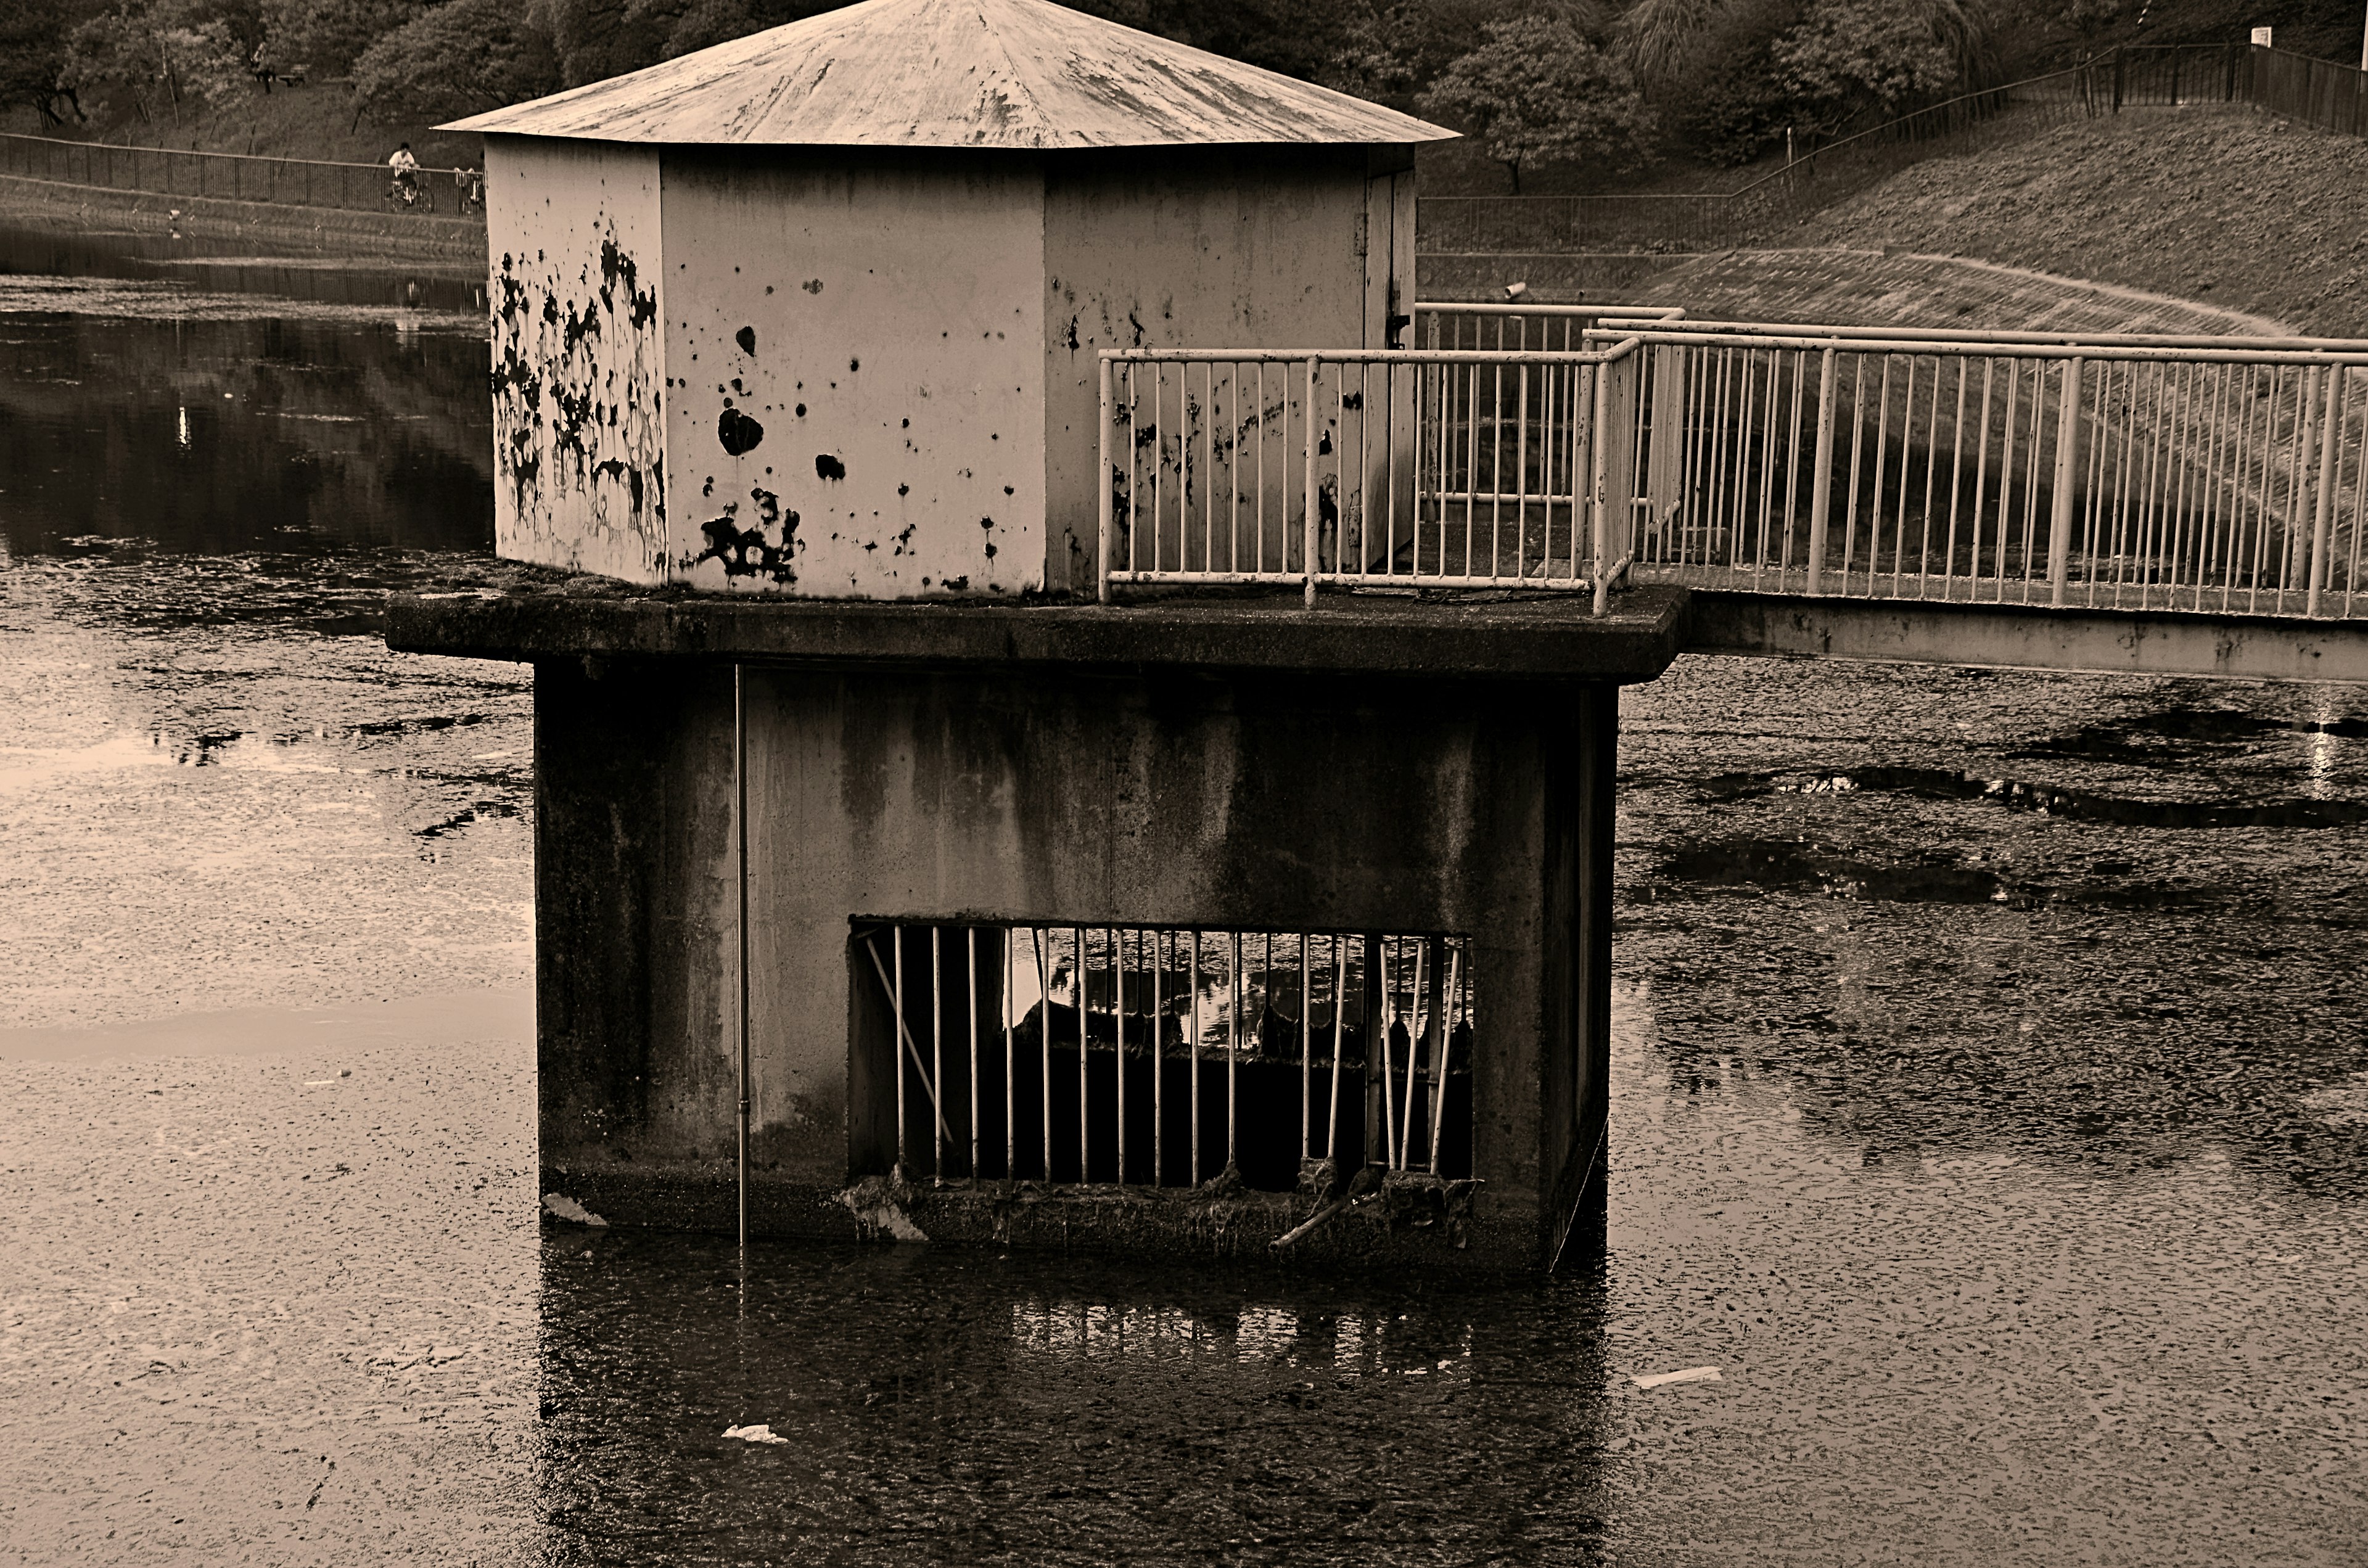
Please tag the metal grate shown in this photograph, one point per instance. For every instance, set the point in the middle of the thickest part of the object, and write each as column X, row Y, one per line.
column 1157, row 1056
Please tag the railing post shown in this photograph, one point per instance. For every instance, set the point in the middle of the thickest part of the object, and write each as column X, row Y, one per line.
column 2330, row 449
column 1102, row 587
column 2059, row 519
column 1308, row 550
column 1601, row 483
column 2118, row 60
column 1821, row 483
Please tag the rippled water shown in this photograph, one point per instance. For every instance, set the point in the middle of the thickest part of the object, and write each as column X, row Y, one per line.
column 1991, row 1109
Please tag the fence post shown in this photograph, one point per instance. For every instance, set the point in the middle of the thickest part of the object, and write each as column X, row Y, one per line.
column 1599, row 482
column 2118, row 60
column 1102, row 588
column 2331, row 448
column 1309, row 551
column 2059, row 518
column 1821, row 483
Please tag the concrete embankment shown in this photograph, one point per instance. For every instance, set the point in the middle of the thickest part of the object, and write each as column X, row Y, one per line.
column 397, row 236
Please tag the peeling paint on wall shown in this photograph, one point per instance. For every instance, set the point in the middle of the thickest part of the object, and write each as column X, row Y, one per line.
column 577, row 381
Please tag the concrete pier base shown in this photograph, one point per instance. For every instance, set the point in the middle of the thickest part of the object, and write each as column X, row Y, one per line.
column 1377, row 765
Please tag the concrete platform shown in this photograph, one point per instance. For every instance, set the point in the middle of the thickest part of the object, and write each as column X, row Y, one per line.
column 1534, row 637
column 1383, row 763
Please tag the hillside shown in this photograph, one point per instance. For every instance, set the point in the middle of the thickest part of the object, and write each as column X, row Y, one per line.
column 2223, row 206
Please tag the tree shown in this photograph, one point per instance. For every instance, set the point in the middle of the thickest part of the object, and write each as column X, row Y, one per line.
column 462, row 58
column 159, row 54
column 323, row 38
column 1537, row 91
column 1845, row 60
column 33, row 59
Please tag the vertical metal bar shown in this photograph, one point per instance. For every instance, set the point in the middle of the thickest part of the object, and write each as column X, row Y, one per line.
column 1103, row 590
column 1233, row 1048
column 1521, row 474
column 1310, row 557
column 1118, row 991
column 1012, row 1135
column 1389, row 1075
column 1793, row 465
column 1283, row 549
column 1037, row 936
column 1159, row 997
column 740, row 837
column 1307, row 1052
column 1602, row 492
column 1196, row 1056
column 1858, row 446
column 2067, row 441
column 970, row 939
column 1981, row 479
column 937, row 1052
column 1083, row 1170
column 896, row 1001
column 1821, row 478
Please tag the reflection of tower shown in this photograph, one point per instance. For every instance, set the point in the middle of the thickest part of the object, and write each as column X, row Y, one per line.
column 1067, row 924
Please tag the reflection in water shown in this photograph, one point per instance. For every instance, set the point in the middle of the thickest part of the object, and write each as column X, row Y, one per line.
column 233, row 267
column 955, row 1407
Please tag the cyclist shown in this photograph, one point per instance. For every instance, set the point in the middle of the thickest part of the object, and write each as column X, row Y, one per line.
column 471, row 181
column 406, row 174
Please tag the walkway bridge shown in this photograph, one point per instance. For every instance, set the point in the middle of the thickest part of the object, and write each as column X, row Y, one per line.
column 2136, row 502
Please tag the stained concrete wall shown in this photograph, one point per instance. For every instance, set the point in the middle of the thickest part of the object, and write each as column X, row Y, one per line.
column 1275, row 802
column 1206, row 249
column 578, row 365
column 854, row 340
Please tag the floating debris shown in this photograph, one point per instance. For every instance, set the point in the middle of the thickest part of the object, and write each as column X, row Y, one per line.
column 760, row 1433
column 1690, row 1375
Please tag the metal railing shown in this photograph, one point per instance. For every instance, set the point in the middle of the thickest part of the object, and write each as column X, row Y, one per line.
column 2317, row 92
column 2133, row 472
column 231, row 177
column 2138, row 472
column 1379, row 468
column 1163, row 1056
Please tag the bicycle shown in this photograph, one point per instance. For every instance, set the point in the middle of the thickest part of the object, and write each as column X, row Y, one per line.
column 409, row 195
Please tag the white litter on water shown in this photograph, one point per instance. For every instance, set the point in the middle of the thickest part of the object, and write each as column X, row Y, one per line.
column 760, row 1433
column 1690, row 1375
column 567, row 1207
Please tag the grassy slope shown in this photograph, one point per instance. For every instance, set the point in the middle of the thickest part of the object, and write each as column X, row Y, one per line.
column 2225, row 206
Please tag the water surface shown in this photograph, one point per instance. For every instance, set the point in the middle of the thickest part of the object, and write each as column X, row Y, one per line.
column 1990, row 1107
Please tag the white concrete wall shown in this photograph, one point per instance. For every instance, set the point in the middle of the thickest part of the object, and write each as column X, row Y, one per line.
column 577, row 356
column 1205, row 248
column 868, row 334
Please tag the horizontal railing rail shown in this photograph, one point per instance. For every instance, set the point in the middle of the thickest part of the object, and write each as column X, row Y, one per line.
column 240, row 176
column 2137, row 472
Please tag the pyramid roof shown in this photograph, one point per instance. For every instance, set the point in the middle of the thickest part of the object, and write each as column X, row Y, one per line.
column 990, row 74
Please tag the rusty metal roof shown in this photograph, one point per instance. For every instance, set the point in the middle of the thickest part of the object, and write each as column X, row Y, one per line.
column 991, row 73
